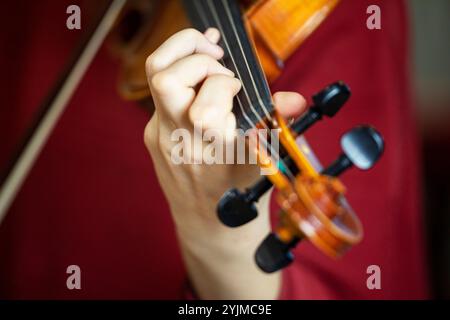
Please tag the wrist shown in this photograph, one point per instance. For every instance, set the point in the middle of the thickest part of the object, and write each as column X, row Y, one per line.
column 209, row 234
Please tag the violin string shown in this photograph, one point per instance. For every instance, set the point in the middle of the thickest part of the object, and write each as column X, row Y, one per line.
column 202, row 15
column 274, row 154
column 224, row 37
column 216, row 18
column 201, row 12
column 260, row 100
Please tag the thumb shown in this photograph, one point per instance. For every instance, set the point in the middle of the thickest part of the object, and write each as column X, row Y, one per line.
column 289, row 104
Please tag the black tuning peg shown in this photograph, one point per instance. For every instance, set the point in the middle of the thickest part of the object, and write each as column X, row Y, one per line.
column 362, row 147
column 273, row 254
column 327, row 102
column 236, row 208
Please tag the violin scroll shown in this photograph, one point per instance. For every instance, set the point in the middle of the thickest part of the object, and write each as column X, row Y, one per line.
column 317, row 210
column 313, row 204
column 237, row 208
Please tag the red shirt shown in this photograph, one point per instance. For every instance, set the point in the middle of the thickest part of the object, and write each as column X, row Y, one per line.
column 92, row 198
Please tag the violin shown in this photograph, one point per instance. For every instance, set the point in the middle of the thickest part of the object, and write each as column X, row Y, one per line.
column 312, row 200
column 276, row 28
column 257, row 38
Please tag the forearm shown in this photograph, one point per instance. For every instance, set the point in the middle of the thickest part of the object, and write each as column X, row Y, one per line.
column 221, row 265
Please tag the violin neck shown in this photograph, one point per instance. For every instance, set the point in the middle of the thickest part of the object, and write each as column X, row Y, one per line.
column 253, row 104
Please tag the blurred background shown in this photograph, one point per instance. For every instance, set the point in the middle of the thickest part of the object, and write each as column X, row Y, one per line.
column 430, row 27
column 430, row 73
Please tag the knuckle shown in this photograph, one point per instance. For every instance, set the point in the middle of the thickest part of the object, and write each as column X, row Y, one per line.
column 191, row 33
column 220, row 80
column 151, row 134
column 208, row 111
column 162, row 82
column 152, row 64
column 149, row 63
column 204, row 62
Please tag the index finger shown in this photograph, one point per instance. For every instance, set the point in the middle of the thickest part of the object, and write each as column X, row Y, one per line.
column 180, row 45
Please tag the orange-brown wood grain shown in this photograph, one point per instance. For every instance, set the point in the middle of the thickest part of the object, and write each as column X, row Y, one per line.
column 283, row 25
column 276, row 27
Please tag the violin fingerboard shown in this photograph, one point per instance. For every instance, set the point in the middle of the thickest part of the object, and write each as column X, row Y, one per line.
column 253, row 104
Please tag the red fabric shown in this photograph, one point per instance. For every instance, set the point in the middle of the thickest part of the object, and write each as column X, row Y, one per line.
column 92, row 198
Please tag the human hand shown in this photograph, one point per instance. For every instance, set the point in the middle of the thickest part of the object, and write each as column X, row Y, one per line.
column 190, row 86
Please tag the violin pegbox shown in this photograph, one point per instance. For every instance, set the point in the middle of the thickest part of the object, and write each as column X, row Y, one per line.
column 237, row 208
column 320, row 213
column 313, row 204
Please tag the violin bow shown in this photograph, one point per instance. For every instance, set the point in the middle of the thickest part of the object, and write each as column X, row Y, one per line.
column 52, row 108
